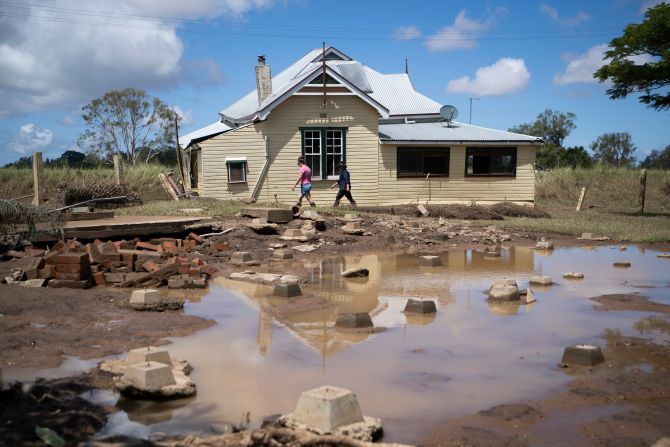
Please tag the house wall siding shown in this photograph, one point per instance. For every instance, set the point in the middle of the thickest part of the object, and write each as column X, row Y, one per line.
column 285, row 145
column 457, row 187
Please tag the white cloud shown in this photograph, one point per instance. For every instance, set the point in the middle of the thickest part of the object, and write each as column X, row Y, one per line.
column 30, row 138
column 185, row 115
column 55, row 54
column 506, row 76
column 580, row 67
column 406, row 33
column 648, row 4
column 463, row 34
column 552, row 13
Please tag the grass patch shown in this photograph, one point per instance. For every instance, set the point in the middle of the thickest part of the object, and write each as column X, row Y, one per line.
column 201, row 207
column 141, row 179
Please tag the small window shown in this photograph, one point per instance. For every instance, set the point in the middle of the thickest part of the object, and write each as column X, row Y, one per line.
column 419, row 162
column 493, row 161
column 237, row 171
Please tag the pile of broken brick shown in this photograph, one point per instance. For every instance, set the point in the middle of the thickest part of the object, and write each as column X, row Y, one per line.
column 177, row 263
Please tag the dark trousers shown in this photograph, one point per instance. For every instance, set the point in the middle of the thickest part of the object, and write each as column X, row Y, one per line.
column 344, row 193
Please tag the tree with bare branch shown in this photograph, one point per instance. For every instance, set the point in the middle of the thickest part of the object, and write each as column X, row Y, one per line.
column 128, row 122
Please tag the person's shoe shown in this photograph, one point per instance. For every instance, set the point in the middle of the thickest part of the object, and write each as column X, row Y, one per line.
column 353, row 204
column 298, row 204
column 336, row 204
column 313, row 204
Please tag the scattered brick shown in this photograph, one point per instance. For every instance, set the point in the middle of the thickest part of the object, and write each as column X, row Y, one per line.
column 69, row 284
column 196, row 238
column 148, row 246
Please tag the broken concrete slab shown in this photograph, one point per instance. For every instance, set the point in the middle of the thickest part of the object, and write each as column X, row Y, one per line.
column 149, row 354
column 145, row 296
column 277, row 246
column 540, row 280
column 263, row 278
column 573, row 275
column 310, row 214
column 622, row 264
column 422, row 209
column 544, row 244
column 357, row 320
column 187, row 282
column 154, row 380
column 422, row 307
column 504, row 293
column 287, row 290
column 356, row 272
column 332, row 410
column 584, row 355
column 663, row 256
column 264, row 228
column 33, row 283
column 592, row 237
column 433, row 261
column 305, row 248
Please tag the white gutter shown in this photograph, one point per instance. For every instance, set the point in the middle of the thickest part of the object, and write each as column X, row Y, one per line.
column 261, row 177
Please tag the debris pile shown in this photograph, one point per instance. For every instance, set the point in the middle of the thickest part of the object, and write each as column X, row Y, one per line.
column 177, row 263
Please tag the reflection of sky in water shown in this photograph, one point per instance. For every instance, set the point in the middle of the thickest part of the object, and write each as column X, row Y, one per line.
column 470, row 356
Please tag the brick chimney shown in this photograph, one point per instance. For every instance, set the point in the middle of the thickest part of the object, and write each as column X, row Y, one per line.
column 263, row 79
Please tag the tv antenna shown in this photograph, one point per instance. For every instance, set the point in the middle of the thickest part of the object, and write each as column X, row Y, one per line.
column 449, row 113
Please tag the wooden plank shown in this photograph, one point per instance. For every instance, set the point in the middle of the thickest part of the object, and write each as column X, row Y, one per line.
column 167, row 187
column 37, row 178
column 70, row 217
column 643, row 188
column 118, row 169
column 580, row 202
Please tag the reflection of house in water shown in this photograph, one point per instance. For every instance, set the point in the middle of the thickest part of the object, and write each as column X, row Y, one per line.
column 392, row 280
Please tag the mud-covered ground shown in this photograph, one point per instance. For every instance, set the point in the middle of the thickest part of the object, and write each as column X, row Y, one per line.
column 625, row 401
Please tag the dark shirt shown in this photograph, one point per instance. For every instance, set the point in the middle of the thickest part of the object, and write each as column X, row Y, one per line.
column 344, row 179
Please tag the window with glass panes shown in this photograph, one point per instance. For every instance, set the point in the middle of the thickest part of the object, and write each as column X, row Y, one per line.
column 490, row 161
column 324, row 149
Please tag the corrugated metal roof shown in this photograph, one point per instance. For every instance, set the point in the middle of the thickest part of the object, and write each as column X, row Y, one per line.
column 438, row 132
column 207, row 131
column 395, row 91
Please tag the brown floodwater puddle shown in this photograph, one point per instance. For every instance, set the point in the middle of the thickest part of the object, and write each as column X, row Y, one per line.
column 471, row 355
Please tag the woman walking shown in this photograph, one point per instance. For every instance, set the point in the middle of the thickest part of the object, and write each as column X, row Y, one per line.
column 305, row 182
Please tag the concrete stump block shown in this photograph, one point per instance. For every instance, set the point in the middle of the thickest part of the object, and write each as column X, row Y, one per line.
column 282, row 254
column 149, row 375
column 287, row 290
column 240, row 257
column 148, row 354
column 544, row 244
column 292, row 232
column 573, row 275
column 432, row 261
column 504, row 293
column 423, row 307
column 540, row 280
column 622, row 264
column 358, row 320
column 585, row 355
column 310, row 214
column 327, row 408
column 145, row 296
column 504, row 282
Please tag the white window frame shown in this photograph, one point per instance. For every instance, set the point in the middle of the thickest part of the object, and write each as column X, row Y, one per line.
column 243, row 162
column 331, row 151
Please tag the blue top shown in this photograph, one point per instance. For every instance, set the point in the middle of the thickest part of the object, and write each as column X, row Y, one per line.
column 344, row 179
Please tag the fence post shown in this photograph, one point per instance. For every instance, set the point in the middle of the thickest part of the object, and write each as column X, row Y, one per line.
column 118, row 169
column 643, row 188
column 580, row 202
column 37, row 178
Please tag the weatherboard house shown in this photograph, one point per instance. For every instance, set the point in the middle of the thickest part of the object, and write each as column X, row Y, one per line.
column 395, row 141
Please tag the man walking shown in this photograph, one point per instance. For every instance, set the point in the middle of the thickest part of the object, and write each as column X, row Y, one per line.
column 344, row 182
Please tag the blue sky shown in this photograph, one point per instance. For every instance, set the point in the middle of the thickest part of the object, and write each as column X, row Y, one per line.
column 517, row 57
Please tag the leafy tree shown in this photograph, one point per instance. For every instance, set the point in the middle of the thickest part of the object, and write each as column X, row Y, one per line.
column 614, row 148
column 552, row 126
column 576, row 157
column 128, row 122
column 23, row 162
column 72, row 158
column 651, row 38
column 657, row 159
